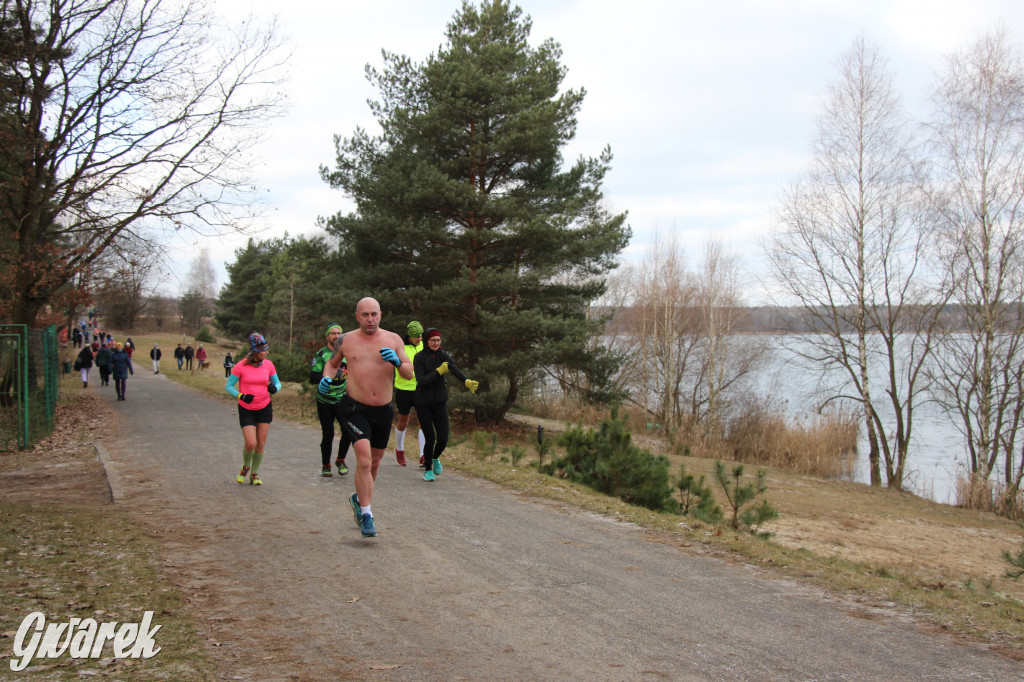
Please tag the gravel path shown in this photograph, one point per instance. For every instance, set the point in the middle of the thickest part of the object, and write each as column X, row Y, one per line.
column 466, row 581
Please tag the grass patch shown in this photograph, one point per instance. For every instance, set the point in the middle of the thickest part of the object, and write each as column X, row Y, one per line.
column 80, row 562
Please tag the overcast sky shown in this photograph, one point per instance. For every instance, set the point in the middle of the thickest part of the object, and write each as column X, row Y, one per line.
column 708, row 107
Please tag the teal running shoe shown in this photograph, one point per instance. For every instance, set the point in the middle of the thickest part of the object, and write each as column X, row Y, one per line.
column 366, row 526
column 437, row 467
column 356, row 508
column 429, row 476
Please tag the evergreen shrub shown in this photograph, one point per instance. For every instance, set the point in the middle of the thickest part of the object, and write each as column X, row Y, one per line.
column 606, row 460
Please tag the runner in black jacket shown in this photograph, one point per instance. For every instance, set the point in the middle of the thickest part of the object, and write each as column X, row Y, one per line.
column 430, row 365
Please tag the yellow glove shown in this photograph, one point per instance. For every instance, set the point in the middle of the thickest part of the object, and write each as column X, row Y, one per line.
column 442, row 369
column 472, row 385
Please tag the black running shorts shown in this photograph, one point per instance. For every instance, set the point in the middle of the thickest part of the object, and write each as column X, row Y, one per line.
column 247, row 417
column 404, row 400
column 371, row 422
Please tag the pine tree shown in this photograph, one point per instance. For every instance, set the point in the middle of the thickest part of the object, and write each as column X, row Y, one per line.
column 465, row 217
column 286, row 288
column 247, row 284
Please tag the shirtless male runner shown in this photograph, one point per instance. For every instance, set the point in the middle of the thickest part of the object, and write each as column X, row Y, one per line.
column 372, row 355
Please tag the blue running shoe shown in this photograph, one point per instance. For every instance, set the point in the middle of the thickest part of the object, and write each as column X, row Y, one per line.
column 436, row 468
column 366, row 526
column 429, row 476
column 356, row 508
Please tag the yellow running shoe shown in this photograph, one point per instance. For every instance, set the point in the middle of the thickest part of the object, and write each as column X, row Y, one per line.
column 254, row 479
column 241, row 475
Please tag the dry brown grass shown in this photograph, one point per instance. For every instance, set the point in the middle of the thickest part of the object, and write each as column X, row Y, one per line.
column 972, row 492
column 570, row 410
column 758, row 434
column 822, row 447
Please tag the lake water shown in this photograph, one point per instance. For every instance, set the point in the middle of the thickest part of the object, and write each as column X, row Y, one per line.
column 937, row 448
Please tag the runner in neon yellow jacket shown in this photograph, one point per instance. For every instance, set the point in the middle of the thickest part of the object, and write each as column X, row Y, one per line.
column 405, row 393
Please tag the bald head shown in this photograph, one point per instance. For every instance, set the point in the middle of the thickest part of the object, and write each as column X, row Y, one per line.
column 368, row 315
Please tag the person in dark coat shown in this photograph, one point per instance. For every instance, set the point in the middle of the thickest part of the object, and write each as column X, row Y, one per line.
column 83, row 363
column 430, row 366
column 179, row 355
column 103, row 364
column 190, row 353
column 155, row 356
column 120, row 368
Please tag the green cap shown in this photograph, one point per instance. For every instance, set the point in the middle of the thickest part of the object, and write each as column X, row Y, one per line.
column 331, row 326
column 414, row 329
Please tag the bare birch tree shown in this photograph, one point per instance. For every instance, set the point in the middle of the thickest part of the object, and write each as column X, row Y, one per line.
column 202, row 276
column 849, row 251
column 977, row 144
column 200, row 292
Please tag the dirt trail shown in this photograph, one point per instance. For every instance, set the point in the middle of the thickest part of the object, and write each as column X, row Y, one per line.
column 467, row 580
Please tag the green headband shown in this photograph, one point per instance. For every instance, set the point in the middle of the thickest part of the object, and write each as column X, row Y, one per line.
column 414, row 329
column 331, row 326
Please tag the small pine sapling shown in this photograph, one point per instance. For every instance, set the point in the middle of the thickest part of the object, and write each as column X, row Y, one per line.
column 516, row 454
column 696, row 498
column 1015, row 560
column 485, row 445
column 740, row 494
column 763, row 512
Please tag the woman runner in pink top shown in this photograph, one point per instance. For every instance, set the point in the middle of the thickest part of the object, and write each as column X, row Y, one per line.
column 253, row 381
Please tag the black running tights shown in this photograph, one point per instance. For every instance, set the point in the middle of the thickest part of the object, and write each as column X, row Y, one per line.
column 433, row 420
column 328, row 414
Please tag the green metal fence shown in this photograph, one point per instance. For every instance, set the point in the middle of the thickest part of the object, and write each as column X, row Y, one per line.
column 28, row 384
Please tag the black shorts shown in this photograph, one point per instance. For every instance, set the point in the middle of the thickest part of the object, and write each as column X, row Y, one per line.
column 247, row 417
column 362, row 422
column 404, row 400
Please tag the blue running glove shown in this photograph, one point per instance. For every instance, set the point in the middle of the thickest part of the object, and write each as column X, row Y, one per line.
column 391, row 356
column 324, row 386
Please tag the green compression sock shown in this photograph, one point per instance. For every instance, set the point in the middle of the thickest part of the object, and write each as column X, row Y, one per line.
column 247, row 457
column 257, row 459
